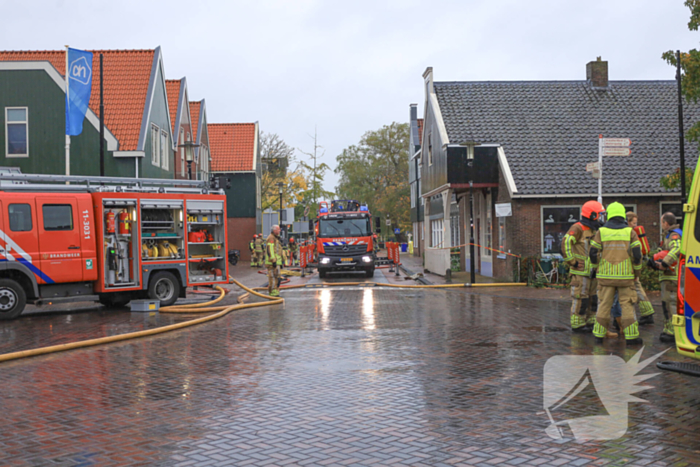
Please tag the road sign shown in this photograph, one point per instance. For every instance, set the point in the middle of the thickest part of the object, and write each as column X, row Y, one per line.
column 616, row 142
column 590, row 167
column 388, row 222
column 615, row 151
column 596, row 174
column 397, row 231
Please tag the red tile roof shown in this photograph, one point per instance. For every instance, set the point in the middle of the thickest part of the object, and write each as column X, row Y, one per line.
column 172, row 89
column 127, row 75
column 420, row 131
column 194, row 115
column 232, row 146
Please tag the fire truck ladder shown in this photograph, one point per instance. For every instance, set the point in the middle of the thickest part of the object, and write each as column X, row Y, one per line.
column 39, row 182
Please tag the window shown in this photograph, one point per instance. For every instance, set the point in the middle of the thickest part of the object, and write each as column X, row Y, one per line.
column 430, row 150
column 502, row 236
column 155, row 145
column 675, row 208
column 164, row 151
column 182, row 151
column 58, row 216
column 436, row 227
column 556, row 221
column 343, row 227
column 20, row 217
column 454, row 229
column 16, row 132
column 413, row 195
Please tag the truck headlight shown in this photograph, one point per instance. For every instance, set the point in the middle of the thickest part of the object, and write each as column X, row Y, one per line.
column 367, row 259
column 325, row 260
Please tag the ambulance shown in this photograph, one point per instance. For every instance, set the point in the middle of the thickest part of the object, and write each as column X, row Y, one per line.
column 109, row 240
column 686, row 323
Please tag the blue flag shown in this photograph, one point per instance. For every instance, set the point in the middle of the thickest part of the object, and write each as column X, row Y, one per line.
column 79, row 80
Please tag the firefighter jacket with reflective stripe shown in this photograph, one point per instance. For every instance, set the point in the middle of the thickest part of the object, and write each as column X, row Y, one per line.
column 672, row 244
column 575, row 246
column 273, row 250
column 252, row 245
column 259, row 245
column 617, row 253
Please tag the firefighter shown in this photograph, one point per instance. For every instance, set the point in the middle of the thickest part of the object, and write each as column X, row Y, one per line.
column 253, row 259
column 646, row 310
column 665, row 262
column 616, row 256
column 293, row 250
column 285, row 254
column 259, row 249
column 575, row 247
column 273, row 260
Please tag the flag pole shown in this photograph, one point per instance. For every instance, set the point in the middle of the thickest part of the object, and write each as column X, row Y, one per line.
column 67, row 112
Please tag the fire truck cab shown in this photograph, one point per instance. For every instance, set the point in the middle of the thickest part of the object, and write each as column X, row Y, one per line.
column 344, row 238
column 106, row 239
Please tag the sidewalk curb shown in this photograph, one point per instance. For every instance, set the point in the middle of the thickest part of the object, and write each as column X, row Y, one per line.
column 408, row 272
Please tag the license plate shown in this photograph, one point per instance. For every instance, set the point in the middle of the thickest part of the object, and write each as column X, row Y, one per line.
column 345, row 260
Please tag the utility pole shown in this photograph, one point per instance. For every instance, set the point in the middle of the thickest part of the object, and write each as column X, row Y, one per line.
column 681, row 136
column 102, row 121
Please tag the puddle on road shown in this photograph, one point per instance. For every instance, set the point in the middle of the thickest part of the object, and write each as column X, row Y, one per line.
column 545, row 329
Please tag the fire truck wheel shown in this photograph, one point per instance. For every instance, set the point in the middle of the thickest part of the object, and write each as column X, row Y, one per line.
column 12, row 299
column 164, row 287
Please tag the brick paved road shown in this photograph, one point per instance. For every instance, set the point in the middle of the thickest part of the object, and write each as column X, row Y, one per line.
column 337, row 377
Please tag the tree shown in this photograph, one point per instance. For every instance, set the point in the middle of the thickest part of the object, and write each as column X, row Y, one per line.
column 276, row 156
column 690, row 82
column 294, row 185
column 375, row 172
column 317, row 172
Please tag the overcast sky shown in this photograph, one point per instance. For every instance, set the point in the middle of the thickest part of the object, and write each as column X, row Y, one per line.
column 353, row 66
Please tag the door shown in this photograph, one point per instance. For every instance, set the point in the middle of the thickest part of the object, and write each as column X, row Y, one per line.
column 20, row 232
column 59, row 238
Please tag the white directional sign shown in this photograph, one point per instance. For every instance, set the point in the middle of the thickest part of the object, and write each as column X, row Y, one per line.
column 616, row 142
column 591, row 166
column 615, row 151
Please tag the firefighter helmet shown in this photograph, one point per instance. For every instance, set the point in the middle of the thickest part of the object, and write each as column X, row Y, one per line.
column 291, row 240
column 616, row 210
column 592, row 210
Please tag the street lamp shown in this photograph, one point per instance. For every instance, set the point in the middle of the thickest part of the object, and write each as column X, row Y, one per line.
column 280, row 185
column 189, row 155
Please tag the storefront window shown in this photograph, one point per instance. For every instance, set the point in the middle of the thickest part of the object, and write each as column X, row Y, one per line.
column 556, row 221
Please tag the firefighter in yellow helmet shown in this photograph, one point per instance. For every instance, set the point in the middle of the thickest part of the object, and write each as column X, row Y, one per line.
column 616, row 256
column 575, row 247
column 259, row 255
column 273, row 260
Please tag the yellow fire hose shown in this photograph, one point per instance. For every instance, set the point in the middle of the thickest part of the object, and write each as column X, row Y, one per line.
column 218, row 312
column 191, row 308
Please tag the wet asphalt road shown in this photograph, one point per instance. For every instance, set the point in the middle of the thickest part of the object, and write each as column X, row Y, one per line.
column 335, row 377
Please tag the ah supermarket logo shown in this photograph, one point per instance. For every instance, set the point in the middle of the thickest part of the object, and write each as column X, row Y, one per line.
column 81, row 70
column 601, row 386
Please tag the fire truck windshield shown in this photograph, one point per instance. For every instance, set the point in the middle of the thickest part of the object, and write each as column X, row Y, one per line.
column 344, row 227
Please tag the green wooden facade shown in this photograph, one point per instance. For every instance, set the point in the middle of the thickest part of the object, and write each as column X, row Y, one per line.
column 241, row 198
column 45, row 103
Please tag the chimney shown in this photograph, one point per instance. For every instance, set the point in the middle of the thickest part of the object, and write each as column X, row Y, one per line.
column 597, row 73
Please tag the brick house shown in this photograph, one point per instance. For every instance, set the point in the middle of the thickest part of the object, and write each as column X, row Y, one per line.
column 235, row 150
column 527, row 144
column 138, row 131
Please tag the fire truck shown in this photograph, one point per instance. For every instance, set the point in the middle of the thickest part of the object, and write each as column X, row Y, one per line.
column 73, row 238
column 344, row 238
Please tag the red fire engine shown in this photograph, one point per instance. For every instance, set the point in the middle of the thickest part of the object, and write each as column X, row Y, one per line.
column 344, row 240
column 107, row 239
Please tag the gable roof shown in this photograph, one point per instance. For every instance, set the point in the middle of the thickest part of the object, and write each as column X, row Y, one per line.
column 233, row 146
column 172, row 89
column 549, row 131
column 127, row 82
column 194, row 115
